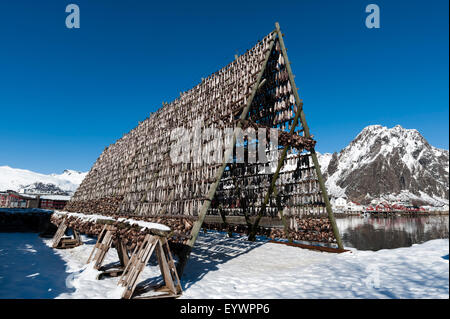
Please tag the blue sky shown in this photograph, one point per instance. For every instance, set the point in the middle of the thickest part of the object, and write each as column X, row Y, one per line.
column 65, row 94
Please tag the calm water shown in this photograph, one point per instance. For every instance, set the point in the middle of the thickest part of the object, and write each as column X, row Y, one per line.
column 374, row 233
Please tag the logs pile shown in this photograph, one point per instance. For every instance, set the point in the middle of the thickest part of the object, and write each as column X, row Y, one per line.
column 98, row 206
column 131, row 235
column 308, row 229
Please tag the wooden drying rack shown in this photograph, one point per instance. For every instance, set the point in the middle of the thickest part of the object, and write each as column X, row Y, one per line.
column 129, row 268
column 61, row 242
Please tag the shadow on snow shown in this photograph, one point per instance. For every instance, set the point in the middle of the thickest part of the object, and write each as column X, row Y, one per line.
column 213, row 249
column 29, row 268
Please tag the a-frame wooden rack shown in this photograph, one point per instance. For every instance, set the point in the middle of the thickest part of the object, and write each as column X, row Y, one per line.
column 61, row 242
column 299, row 116
column 105, row 241
column 142, row 254
column 130, row 269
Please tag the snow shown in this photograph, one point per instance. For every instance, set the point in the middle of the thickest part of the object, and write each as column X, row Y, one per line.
column 222, row 267
column 29, row 268
column 277, row 271
column 56, row 197
column 324, row 160
column 144, row 225
column 84, row 217
column 95, row 217
column 15, row 179
column 74, row 177
column 405, row 197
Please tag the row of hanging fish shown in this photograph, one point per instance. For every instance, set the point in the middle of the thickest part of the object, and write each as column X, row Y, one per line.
column 138, row 166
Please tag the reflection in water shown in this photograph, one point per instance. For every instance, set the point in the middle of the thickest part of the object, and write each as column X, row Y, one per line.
column 375, row 233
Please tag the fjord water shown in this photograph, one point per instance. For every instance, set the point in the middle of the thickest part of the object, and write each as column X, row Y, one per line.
column 375, row 233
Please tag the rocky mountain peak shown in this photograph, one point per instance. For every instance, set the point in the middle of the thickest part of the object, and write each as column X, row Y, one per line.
column 383, row 162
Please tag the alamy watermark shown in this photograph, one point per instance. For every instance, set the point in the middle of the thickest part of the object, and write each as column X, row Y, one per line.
column 373, row 19
column 211, row 145
column 73, row 19
column 371, row 279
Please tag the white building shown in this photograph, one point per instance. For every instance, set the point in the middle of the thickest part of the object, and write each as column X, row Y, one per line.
column 353, row 207
column 340, row 204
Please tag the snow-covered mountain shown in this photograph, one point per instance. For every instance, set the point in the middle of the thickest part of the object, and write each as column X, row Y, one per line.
column 22, row 180
column 388, row 164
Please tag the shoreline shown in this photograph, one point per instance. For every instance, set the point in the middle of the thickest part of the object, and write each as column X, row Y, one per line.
column 391, row 214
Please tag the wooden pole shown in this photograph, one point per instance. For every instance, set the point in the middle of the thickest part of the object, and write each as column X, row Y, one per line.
column 252, row 235
column 298, row 102
column 224, row 220
column 228, row 153
column 281, row 211
column 307, row 134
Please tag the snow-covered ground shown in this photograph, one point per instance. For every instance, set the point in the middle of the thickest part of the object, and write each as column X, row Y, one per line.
column 222, row 267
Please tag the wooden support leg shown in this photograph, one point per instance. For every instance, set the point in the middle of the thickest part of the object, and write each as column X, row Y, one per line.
column 103, row 249
column 225, row 223
column 59, row 233
column 97, row 244
column 135, row 269
column 172, row 267
column 126, row 271
column 124, row 259
column 140, row 258
column 164, row 266
column 76, row 236
column 283, row 217
column 307, row 134
column 122, row 252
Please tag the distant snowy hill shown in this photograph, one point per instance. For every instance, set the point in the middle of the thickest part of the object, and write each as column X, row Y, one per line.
column 388, row 164
column 22, row 180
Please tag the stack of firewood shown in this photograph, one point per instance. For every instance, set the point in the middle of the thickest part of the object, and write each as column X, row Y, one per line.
column 313, row 224
column 131, row 234
column 106, row 205
column 308, row 229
